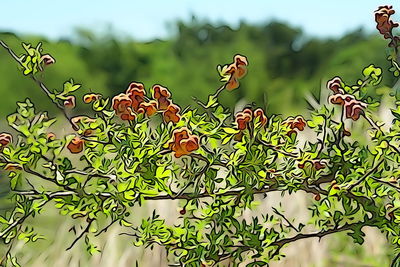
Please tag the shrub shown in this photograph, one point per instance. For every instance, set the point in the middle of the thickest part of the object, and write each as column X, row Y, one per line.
column 139, row 146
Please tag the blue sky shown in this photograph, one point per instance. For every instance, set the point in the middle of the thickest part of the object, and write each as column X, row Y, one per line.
column 148, row 19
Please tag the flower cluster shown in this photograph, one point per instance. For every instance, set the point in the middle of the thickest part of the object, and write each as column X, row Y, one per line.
column 75, row 121
column 133, row 101
column 353, row 108
column 295, row 123
column 385, row 25
column 243, row 118
column 183, row 142
column 233, row 72
column 164, row 103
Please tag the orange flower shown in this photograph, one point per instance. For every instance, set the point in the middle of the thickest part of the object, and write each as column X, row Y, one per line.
column 69, row 102
column 135, row 85
column 5, row 139
column 162, row 95
column 47, row 60
column 259, row 113
column 89, row 98
column 75, row 145
column 171, row 114
column 136, row 93
column 88, row 132
column 80, row 119
column 183, row 142
column 241, row 66
column 148, row 108
column 232, row 84
column 243, row 118
column 51, row 136
column 122, row 105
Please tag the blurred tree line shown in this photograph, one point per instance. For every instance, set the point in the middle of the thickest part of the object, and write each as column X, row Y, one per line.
column 285, row 64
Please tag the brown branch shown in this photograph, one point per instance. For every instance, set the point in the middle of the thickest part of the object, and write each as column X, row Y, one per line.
column 280, row 243
column 366, row 175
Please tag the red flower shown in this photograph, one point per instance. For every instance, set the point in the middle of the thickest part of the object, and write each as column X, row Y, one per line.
column 47, row 60
column 241, row 66
column 335, row 84
column 341, row 99
column 183, row 142
column 298, row 123
column 353, row 107
column 171, row 114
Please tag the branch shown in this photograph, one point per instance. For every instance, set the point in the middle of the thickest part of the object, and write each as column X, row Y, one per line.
column 286, row 220
column 81, row 234
column 278, row 149
column 346, row 227
column 41, row 85
column 366, row 175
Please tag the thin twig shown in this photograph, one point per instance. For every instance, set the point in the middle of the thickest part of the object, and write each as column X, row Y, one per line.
column 365, row 175
column 286, row 220
column 81, row 234
column 278, row 149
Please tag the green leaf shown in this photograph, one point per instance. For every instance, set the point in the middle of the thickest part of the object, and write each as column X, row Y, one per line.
column 70, row 87
column 230, row 130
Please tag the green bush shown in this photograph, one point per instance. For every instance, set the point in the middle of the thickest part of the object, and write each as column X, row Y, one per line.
column 139, row 146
